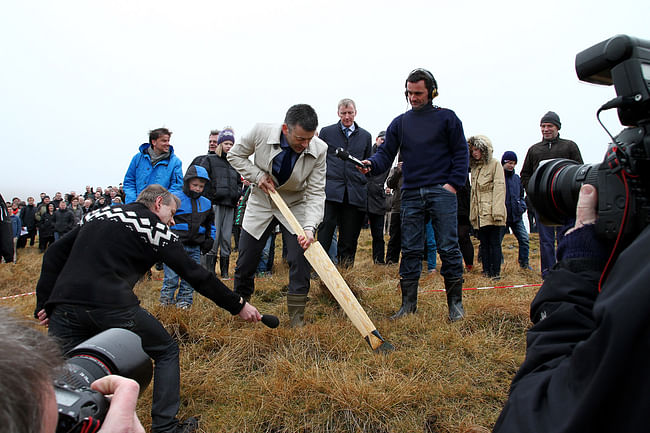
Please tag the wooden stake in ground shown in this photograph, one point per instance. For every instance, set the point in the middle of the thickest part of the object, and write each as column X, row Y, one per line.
column 320, row 261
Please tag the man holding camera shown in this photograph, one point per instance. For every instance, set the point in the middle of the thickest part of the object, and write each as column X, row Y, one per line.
column 551, row 146
column 28, row 367
column 586, row 356
column 586, row 353
column 87, row 279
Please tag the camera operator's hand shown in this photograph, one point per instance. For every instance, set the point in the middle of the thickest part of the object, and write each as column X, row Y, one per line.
column 123, row 393
column 250, row 313
column 586, row 209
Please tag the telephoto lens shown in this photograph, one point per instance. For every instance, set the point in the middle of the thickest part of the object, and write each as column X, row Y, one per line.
column 114, row 351
column 554, row 188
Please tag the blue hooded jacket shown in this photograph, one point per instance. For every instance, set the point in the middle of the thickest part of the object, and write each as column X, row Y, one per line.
column 140, row 174
column 194, row 217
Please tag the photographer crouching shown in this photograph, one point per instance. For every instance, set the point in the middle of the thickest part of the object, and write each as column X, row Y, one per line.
column 86, row 286
column 586, row 357
column 29, row 364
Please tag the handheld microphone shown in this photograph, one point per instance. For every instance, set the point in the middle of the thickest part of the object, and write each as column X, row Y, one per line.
column 345, row 156
column 270, row 320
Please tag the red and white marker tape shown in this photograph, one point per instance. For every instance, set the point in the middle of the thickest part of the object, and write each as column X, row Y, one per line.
column 17, row 296
column 515, row 286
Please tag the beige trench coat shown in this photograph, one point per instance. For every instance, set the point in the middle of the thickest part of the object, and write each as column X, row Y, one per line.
column 304, row 191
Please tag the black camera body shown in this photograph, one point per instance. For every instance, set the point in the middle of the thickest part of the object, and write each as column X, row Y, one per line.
column 114, row 351
column 623, row 178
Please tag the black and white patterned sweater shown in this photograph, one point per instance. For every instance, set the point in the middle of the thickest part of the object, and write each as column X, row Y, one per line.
column 98, row 263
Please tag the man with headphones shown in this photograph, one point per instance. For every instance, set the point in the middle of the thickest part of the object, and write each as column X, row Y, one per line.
column 435, row 163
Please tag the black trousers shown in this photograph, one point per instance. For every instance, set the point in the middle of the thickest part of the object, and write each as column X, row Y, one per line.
column 490, row 237
column 250, row 252
column 73, row 324
column 377, row 232
column 349, row 220
column 465, row 243
column 22, row 240
column 395, row 238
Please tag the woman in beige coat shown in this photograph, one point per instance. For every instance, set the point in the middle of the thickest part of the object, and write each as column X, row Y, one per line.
column 488, row 203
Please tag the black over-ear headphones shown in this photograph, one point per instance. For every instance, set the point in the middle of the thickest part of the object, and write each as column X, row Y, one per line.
column 429, row 82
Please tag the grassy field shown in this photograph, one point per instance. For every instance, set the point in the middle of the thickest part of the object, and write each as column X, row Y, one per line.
column 442, row 377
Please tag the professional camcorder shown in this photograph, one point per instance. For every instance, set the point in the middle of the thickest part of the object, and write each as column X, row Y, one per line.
column 623, row 178
column 114, row 351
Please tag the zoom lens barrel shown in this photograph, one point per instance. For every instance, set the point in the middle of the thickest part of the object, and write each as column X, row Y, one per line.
column 554, row 188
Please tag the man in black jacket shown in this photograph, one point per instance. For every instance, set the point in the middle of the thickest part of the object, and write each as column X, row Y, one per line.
column 28, row 218
column 63, row 220
column 376, row 208
column 87, row 279
column 551, row 146
column 224, row 191
column 345, row 189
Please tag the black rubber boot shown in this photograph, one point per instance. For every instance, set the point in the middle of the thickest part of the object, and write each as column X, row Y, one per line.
column 224, row 262
column 296, row 309
column 409, row 298
column 210, row 262
column 454, row 289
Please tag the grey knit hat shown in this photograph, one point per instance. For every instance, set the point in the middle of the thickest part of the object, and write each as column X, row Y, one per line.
column 551, row 117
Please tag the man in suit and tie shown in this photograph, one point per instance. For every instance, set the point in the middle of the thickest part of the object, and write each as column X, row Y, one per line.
column 345, row 190
column 288, row 158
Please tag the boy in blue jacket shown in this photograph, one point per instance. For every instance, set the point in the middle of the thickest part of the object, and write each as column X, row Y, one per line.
column 194, row 226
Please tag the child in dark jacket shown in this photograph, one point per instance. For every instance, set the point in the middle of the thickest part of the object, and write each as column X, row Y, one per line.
column 194, row 226
column 515, row 207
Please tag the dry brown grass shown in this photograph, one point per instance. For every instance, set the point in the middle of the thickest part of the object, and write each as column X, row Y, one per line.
column 442, row 377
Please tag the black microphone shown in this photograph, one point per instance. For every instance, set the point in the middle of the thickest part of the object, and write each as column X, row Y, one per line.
column 270, row 320
column 345, row 156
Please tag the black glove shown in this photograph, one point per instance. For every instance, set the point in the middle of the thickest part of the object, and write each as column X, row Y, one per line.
column 206, row 246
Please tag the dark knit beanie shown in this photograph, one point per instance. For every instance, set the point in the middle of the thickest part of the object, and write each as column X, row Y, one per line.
column 382, row 134
column 508, row 156
column 551, row 117
column 226, row 135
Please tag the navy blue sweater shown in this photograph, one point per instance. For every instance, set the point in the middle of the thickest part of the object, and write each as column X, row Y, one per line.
column 433, row 146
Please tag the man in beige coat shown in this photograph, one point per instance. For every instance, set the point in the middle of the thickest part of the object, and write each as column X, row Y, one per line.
column 288, row 158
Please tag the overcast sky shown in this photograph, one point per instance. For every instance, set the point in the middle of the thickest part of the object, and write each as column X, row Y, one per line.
column 82, row 82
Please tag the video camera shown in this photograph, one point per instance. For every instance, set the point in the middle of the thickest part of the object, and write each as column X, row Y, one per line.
column 114, row 351
column 623, row 178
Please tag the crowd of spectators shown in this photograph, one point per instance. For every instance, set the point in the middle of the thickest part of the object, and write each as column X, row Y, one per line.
column 489, row 204
column 52, row 218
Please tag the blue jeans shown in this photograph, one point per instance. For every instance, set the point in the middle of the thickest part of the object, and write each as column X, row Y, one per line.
column 73, row 324
column 442, row 206
column 171, row 281
column 431, row 248
column 266, row 261
column 548, row 236
column 519, row 230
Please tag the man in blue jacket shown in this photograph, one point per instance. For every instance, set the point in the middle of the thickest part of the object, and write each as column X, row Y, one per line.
column 345, row 190
column 435, row 162
column 155, row 163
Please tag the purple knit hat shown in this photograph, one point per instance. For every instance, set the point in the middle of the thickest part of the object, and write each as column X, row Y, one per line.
column 226, row 134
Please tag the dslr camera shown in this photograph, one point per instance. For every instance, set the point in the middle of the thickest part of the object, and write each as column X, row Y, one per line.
column 114, row 351
column 623, row 178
